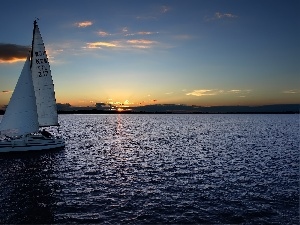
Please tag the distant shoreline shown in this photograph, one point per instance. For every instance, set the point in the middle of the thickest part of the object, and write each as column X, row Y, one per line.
column 185, row 109
column 133, row 112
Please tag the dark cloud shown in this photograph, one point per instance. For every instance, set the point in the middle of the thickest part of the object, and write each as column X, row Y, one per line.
column 12, row 52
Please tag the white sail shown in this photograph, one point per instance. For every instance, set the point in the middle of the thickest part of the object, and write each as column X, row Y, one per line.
column 21, row 113
column 31, row 105
column 42, row 82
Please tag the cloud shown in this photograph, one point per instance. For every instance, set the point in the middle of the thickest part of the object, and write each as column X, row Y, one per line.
column 132, row 34
column 11, row 53
column 122, row 44
column 141, row 43
column 93, row 45
column 203, row 92
column 145, row 32
column 236, row 91
column 292, row 91
column 103, row 33
column 141, row 33
column 125, row 40
column 125, row 33
column 219, row 16
column 165, row 9
column 84, row 24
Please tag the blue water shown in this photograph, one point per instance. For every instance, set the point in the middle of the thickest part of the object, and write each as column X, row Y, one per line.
column 159, row 169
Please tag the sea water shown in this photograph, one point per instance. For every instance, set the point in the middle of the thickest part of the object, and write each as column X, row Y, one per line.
column 159, row 169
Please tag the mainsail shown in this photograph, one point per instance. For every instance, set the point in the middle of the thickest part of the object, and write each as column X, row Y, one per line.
column 21, row 113
column 42, row 82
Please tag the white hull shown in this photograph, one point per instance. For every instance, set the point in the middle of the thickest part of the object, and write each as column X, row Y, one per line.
column 31, row 143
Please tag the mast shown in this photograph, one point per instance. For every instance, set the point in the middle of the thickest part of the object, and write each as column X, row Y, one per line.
column 34, row 26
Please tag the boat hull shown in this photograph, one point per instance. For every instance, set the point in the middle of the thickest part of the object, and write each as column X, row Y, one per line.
column 31, row 143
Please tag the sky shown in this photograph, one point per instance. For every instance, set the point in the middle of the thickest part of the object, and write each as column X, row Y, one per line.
column 133, row 52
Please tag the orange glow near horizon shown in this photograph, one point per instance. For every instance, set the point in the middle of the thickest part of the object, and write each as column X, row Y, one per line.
column 123, row 101
column 12, row 60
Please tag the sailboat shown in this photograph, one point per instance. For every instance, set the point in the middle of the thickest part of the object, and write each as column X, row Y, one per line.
column 32, row 105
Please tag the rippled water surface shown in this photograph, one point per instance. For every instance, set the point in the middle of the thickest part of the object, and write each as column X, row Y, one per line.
column 149, row 169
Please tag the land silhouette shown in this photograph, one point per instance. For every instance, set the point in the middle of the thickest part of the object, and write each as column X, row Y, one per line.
column 180, row 108
column 176, row 108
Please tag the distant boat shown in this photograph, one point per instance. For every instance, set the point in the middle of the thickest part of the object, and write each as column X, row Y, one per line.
column 32, row 105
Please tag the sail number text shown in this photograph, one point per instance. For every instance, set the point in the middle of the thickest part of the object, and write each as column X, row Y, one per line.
column 42, row 70
column 40, row 53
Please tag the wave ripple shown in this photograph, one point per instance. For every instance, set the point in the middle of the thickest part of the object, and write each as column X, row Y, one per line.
column 157, row 169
